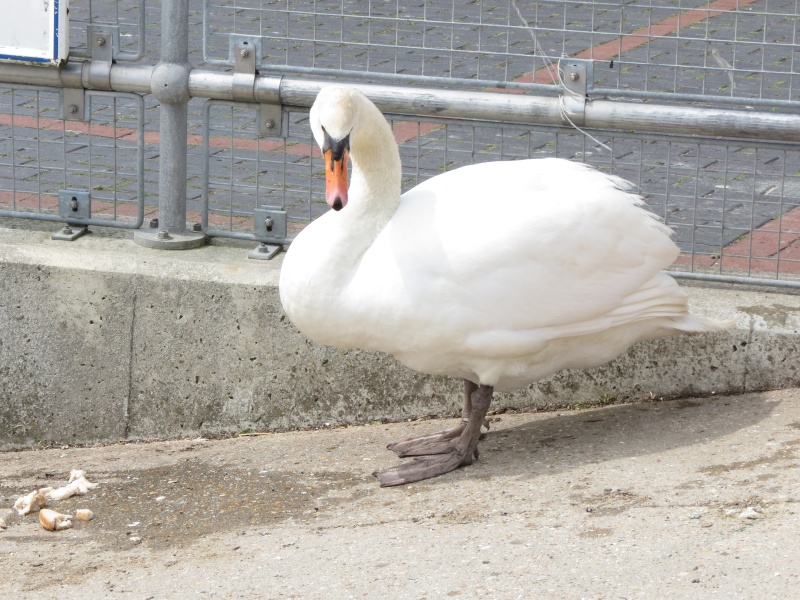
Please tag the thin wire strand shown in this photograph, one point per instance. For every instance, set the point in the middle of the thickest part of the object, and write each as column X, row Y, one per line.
column 553, row 68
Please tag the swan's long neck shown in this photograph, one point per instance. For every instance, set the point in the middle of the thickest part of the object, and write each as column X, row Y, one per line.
column 374, row 192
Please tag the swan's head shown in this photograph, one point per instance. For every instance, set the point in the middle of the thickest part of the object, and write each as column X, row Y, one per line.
column 333, row 117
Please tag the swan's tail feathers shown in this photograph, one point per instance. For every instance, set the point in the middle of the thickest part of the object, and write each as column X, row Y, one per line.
column 663, row 298
column 695, row 323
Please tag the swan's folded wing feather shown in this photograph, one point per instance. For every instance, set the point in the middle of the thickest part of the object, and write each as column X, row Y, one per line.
column 499, row 249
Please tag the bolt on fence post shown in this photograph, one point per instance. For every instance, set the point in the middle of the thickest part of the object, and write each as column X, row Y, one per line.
column 170, row 86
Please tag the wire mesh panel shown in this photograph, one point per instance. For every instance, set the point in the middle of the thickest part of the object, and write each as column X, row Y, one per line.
column 475, row 40
column 41, row 154
column 734, row 48
column 737, row 48
column 243, row 171
column 126, row 16
column 735, row 209
column 732, row 204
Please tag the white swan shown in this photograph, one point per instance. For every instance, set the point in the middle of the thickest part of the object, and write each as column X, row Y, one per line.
column 499, row 273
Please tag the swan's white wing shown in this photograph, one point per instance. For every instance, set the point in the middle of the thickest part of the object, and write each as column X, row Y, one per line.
column 495, row 251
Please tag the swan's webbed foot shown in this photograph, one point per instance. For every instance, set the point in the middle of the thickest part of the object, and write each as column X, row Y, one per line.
column 441, row 442
column 441, row 452
column 423, row 468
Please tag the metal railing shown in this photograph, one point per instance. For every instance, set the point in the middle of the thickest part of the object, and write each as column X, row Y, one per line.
column 49, row 165
column 697, row 103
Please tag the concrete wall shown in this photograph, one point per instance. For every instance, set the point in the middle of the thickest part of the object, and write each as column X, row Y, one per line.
column 101, row 339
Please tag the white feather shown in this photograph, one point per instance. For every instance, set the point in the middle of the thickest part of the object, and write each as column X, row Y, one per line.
column 501, row 273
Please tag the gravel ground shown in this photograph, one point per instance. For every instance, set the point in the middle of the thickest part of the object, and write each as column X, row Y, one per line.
column 692, row 498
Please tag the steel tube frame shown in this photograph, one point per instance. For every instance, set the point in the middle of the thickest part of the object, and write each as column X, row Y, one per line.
column 169, row 83
column 611, row 115
column 736, row 279
column 600, row 114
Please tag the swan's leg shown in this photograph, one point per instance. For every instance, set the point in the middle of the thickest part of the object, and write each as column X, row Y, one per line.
column 462, row 449
column 441, row 441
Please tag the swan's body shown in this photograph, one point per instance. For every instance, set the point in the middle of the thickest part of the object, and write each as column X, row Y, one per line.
column 499, row 273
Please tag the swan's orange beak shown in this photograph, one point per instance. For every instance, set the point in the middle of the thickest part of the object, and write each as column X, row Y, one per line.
column 336, row 178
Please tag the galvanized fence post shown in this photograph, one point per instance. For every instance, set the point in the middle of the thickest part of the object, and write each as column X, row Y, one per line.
column 170, row 86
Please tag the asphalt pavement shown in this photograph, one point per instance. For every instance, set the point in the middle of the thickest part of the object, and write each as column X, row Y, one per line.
column 691, row 498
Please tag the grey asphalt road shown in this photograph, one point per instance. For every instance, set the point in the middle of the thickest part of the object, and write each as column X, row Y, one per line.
column 692, row 498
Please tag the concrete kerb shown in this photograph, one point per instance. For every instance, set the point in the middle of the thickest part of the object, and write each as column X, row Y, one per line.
column 102, row 340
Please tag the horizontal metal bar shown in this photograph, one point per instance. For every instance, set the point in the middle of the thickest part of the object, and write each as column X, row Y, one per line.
column 29, row 74
column 628, row 135
column 600, row 114
column 510, row 108
column 488, row 106
column 400, row 78
column 732, row 101
column 217, row 85
column 124, row 77
column 132, row 78
column 706, row 121
column 17, row 214
column 776, row 283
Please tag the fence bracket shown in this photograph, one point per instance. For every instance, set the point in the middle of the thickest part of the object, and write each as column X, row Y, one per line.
column 69, row 233
column 73, row 204
column 103, row 40
column 272, row 120
column 73, row 104
column 269, row 226
column 576, row 73
column 264, row 251
column 245, row 53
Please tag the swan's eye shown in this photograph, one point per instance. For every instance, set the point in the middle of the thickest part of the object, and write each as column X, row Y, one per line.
column 337, row 147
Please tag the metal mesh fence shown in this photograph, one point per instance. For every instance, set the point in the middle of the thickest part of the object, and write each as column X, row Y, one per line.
column 734, row 208
column 127, row 16
column 737, row 48
column 244, row 171
column 732, row 204
column 41, row 154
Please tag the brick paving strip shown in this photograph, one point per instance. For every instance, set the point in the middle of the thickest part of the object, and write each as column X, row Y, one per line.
column 773, row 248
column 770, row 250
column 403, row 132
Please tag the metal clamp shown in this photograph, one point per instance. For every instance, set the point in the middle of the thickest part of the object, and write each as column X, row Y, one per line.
column 270, row 224
column 74, row 204
column 575, row 75
column 245, row 53
column 272, row 120
column 102, row 40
